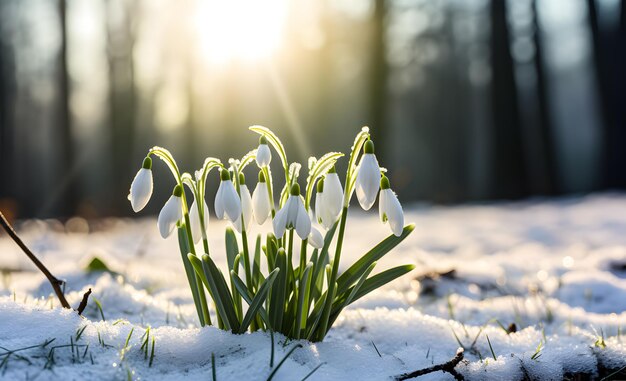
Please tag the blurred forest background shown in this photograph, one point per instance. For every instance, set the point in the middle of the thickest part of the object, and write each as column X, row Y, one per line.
column 468, row 100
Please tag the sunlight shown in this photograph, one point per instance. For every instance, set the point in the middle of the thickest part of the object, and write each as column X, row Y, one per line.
column 239, row 29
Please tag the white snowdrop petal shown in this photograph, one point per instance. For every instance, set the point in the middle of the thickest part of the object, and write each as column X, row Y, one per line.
column 382, row 202
column 261, row 206
column 246, row 208
column 367, row 181
column 315, row 238
column 263, row 155
column 280, row 222
column 333, row 192
column 395, row 214
column 319, row 196
column 194, row 218
column 169, row 215
column 232, row 203
column 141, row 189
column 303, row 222
column 219, row 202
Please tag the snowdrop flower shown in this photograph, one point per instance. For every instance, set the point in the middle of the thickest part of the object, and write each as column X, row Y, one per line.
column 194, row 217
column 261, row 203
column 293, row 215
column 315, row 238
column 227, row 202
column 246, row 205
column 389, row 208
column 141, row 187
column 333, row 196
column 368, row 177
column 263, row 153
column 322, row 214
column 171, row 212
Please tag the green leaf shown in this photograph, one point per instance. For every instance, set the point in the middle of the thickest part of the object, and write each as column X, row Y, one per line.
column 346, row 300
column 97, row 265
column 248, row 297
column 303, row 300
column 215, row 282
column 278, row 295
column 183, row 244
column 256, row 265
column 368, row 286
column 232, row 248
column 352, row 275
column 258, row 300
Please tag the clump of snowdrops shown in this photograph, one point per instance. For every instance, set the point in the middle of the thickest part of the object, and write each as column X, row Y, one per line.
column 302, row 295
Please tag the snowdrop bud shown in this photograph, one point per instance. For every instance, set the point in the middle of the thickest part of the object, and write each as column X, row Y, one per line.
column 315, row 238
column 194, row 218
column 389, row 207
column 141, row 187
column 293, row 215
column 227, row 202
column 261, row 204
column 263, row 153
column 333, row 196
column 246, row 205
column 368, row 177
column 171, row 212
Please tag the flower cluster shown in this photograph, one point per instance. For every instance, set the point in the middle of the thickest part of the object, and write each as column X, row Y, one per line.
column 300, row 305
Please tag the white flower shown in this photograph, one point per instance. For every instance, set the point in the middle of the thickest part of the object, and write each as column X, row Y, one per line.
column 389, row 208
column 227, row 202
column 293, row 215
column 368, row 177
column 261, row 204
column 246, row 208
column 263, row 153
column 315, row 238
column 171, row 212
column 141, row 187
column 333, row 196
column 194, row 218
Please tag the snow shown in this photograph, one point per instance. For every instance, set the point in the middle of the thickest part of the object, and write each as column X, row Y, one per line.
column 555, row 268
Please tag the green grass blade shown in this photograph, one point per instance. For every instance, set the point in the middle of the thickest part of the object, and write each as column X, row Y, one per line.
column 350, row 296
column 352, row 275
column 258, row 300
column 269, row 378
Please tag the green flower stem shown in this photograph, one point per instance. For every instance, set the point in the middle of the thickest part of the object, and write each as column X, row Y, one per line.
column 303, row 247
column 333, row 276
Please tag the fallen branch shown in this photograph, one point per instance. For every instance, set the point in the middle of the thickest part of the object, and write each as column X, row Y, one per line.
column 54, row 282
column 83, row 303
column 445, row 367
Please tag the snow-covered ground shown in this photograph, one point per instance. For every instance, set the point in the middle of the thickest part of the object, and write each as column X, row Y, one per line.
column 555, row 269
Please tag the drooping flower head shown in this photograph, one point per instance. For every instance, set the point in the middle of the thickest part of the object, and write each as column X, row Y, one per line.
column 171, row 212
column 263, row 153
column 261, row 203
column 389, row 207
column 368, row 177
column 227, row 202
column 141, row 187
column 246, row 205
column 293, row 215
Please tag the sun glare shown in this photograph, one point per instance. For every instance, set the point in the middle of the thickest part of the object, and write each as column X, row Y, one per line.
column 239, row 29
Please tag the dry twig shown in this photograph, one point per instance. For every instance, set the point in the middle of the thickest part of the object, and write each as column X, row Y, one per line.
column 445, row 367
